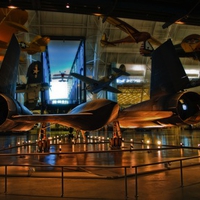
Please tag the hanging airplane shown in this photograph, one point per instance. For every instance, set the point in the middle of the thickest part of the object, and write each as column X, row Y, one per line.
column 169, row 105
column 189, row 47
column 62, row 76
column 134, row 36
column 11, row 22
column 34, row 85
column 37, row 45
column 95, row 86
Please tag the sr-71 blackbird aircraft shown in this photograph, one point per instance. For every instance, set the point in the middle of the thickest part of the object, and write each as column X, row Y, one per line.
column 94, row 86
column 169, row 103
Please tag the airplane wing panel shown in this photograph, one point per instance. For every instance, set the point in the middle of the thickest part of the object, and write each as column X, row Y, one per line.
column 69, row 120
column 90, row 115
column 153, row 41
column 141, row 116
column 47, row 117
column 112, row 89
column 85, row 79
column 145, row 119
column 120, row 24
column 17, row 26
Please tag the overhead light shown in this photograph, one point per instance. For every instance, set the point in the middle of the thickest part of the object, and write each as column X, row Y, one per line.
column 67, row 5
column 11, row 6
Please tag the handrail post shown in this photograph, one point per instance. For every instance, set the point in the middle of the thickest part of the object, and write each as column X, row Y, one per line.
column 125, row 179
column 181, row 172
column 136, row 183
column 62, row 181
column 6, row 178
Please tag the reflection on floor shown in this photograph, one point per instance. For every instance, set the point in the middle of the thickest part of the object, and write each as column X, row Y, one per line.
column 138, row 147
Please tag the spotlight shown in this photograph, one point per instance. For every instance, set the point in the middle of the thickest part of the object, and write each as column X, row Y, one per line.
column 181, row 144
column 11, row 6
column 67, row 5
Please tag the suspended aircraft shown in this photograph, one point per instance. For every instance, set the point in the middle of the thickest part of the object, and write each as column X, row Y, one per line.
column 11, row 21
column 189, row 47
column 62, row 76
column 37, row 45
column 170, row 104
column 134, row 36
column 34, row 85
column 95, row 86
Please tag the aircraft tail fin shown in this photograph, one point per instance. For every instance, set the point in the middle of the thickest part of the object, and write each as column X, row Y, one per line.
column 167, row 73
column 35, row 73
column 121, row 70
column 9, row 68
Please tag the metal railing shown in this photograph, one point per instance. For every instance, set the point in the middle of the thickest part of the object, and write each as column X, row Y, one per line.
column 165, row 164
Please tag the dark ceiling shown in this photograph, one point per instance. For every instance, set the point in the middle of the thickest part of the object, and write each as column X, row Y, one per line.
column 169, row 11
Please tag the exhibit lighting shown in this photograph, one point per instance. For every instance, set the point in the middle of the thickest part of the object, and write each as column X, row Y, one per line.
column 136, row 67
column 11, row 6
column 192, row 73
column 67, row 5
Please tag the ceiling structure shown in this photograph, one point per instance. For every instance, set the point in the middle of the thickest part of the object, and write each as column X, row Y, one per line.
column 52, row 18
column 155, row 10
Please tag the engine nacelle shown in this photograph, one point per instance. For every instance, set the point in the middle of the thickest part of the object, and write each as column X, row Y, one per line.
column 185, row 106
column 8, row 108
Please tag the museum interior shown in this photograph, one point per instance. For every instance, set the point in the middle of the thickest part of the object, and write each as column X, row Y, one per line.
column 83, row 68
column 79, row 30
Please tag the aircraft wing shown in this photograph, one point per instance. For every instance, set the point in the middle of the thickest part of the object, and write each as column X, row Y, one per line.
column 120, row 24
column 127, row 28
column 48, row 117
column 129, row 118
column 112, row 89
column 154, row 41
column 41, row 41
column 16, row 26
column 69, row 120
column 143, row 115
column 90, row 115
column 85, row 79
column 11, row 21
